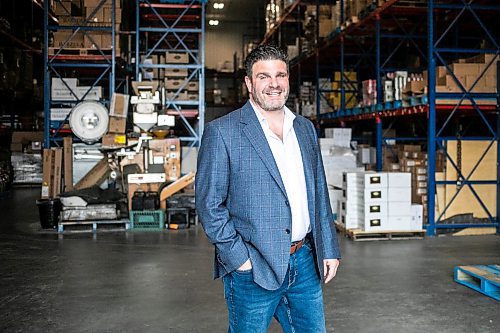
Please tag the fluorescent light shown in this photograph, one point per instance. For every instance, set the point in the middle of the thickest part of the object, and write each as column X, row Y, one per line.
column 218, row 5
column 213, row 22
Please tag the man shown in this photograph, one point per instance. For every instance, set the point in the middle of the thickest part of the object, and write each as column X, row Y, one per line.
column 262, row 198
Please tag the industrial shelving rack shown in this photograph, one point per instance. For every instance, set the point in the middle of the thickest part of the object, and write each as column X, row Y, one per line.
column 98, row 67
column 435, row 48
column 175, row 26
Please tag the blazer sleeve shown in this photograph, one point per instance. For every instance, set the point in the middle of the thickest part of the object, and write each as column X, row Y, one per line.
column 212, row 187
column 328, row 233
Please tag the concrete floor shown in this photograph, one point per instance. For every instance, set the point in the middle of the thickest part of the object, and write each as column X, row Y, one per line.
column 161, row 282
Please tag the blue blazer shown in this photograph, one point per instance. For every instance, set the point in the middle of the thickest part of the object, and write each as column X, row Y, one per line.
column 242, row 203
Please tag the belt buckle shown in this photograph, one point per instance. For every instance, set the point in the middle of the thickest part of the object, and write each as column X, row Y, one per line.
column 295, row 246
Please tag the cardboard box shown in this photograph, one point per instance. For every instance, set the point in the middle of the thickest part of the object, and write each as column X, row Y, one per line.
column 376, row 180
column 192, row 97
column 67, row 40
column 177, row 57
column 375, row 210
column 375, row 224
column 181, row 96
column 107, row 39
column 119, row 105
column 62, row 8
column 117, row 125
column 398, row 179
column 375, row 195
column 59, row 114
column 94, row 14
column 68, row 163
column 350, row 222
column 90, row 93
column 95, row 3
column 92, row 40
column 399, row 223
column 51, row 179
column 114, row 140
column 417, row 213
column 193, row 86
column 465, row 69
column 399, row 194
column 399, row 208
column 353, row 180
column 65, row 89
column 176, row 72
column 175, row 84
column 353, row 195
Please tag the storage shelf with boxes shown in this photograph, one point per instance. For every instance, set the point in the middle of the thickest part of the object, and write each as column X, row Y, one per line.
column 465, row 94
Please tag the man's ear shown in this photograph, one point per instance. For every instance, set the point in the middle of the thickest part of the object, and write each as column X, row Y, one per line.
column 248, row 82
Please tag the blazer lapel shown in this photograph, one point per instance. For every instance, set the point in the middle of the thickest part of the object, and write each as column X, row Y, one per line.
column 307, row 156
column 255, row 134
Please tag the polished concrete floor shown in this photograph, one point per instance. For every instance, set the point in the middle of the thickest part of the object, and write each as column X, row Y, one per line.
column 161, row 282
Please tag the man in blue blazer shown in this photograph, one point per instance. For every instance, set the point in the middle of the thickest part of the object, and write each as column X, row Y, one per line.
column 262, row 198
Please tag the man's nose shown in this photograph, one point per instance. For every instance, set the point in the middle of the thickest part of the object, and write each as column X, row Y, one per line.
column 274, row 82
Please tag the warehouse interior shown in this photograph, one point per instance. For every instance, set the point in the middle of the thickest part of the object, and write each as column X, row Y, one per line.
column 103, row 107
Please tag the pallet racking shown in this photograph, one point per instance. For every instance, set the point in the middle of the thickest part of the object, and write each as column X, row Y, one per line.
column 375, row 38
column 175, row 27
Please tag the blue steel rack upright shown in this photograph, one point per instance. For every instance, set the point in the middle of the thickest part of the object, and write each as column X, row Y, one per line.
column 439, row 49
column 100, row 65
column 175, row 26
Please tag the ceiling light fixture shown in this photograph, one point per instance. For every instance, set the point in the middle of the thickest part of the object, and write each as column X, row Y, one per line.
column 213, row 22
column 218, row 5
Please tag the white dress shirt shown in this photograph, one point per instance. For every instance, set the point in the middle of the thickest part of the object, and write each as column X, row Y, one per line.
column 288, row 158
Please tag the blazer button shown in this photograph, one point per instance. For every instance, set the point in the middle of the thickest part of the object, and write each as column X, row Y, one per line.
column 287, row 203
column 287, row 231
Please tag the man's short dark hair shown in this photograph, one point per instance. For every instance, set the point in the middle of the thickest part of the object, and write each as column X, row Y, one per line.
column 264, row 52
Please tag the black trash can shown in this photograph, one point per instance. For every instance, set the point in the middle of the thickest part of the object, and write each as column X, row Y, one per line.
column 49, row 210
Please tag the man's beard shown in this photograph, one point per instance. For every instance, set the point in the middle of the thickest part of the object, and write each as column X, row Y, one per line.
column 275, row 105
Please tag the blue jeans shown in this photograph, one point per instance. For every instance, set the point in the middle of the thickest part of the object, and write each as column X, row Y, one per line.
column 297, row 304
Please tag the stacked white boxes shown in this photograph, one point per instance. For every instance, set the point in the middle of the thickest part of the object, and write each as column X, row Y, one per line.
column 352, row 205
column 375, row 205
column 417, row 213
column 378, row 201
column 399, row 201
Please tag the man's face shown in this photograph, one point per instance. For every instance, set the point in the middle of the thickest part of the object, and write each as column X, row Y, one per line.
column 269, row 85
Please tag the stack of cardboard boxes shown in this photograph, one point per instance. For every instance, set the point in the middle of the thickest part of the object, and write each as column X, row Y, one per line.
column 350, row 80
column 117, row 121
column 399, row 201
column 96, row 13
column 177, row 85
column 468, row 72
column 379, row 201
column 352, row 204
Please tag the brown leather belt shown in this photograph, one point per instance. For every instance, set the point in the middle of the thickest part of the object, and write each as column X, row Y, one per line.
column 296, row 245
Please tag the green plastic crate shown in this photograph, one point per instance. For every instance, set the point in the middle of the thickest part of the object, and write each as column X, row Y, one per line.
column 147, row 219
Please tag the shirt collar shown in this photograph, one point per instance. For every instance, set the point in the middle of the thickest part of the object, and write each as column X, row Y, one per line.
column 289, row 115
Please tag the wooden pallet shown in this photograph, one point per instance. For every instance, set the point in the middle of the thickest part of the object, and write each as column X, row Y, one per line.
column 93, row 226
column 360, row 235
column 484, row 279
column 79, row 51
